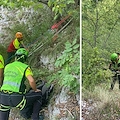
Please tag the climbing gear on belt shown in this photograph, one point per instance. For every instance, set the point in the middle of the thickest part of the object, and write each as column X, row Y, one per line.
column 21, row 105
column 4, row 108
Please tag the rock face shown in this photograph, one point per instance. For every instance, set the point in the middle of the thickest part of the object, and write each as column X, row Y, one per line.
column 3, row 21
column 11, row 17
column 65, row 106
column 87, row 108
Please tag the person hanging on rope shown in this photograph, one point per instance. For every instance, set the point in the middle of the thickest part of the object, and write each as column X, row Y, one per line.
column 13, row 90
column 114, row 66
column 14, row 46
column 1, row 69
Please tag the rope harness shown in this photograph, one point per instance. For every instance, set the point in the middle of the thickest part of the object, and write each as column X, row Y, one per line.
column 4, row 108
column 20, row 106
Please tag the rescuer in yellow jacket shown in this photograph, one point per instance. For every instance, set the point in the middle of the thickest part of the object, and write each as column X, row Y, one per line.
column 1, row 69
column 14, row 46
column 13, row 90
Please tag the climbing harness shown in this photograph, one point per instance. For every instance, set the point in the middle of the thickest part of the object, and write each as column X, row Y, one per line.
column 21, row 105
column 4, row 108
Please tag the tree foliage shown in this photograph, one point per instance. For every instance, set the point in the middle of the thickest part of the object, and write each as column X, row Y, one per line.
column 100, row 29
column 94, row 74
column 57, row 6
column 21, row 3
column 100, row 19
column 68, row 65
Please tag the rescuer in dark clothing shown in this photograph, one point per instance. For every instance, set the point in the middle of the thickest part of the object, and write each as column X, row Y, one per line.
column 115, row 67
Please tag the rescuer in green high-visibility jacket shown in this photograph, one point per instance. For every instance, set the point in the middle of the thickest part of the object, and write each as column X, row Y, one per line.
column 14, row 77
column 13, row 90
column 1, row 69
column 115, row 67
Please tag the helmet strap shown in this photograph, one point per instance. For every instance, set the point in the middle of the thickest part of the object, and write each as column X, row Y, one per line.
column 21, row 58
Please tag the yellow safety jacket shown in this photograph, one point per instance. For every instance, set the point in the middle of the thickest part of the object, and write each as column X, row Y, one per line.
column 1, row 62
column 14, row 77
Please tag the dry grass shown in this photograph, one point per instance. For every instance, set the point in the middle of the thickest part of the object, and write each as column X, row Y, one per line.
column 14, row 115
column 107, row 103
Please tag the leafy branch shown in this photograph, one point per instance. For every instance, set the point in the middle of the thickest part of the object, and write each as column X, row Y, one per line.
column 69, row 67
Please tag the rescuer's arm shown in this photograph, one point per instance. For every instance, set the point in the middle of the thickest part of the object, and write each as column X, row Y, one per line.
column 29, row 76
column 32, row 83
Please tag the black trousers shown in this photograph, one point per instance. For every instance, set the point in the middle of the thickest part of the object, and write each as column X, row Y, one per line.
column 115, row 77
column 32, row 106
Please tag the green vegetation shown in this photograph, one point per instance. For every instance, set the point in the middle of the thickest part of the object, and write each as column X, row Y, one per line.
column 37, row 24
column 63, row 52
column 3, row 50
column 94, row 72
column 68, row 67
column 100, row 38
column 105, row 104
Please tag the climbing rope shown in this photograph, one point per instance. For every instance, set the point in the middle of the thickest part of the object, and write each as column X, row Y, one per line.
column 37, row 39
column 58, row 24
column 35, row 49
column 54, row 26
column 64, row 26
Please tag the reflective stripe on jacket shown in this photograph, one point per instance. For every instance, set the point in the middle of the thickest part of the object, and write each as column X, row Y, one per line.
column 14, row 77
